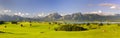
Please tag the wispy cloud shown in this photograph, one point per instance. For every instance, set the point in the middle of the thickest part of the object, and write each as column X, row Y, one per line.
column 111, row 6
column 99, row 12
column 41, row 15
column 5, row 11
column 21, row 14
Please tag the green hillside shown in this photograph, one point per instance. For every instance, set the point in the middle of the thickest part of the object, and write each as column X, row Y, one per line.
column 46, row 30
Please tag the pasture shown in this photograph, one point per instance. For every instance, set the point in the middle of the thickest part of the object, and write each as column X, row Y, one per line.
column 46, row 30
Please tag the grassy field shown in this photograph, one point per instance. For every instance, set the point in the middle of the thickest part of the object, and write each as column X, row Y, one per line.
column 45, row 30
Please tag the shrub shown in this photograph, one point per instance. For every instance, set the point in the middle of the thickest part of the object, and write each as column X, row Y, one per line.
column 50, row 23
column 118, row 24
column 93, row 27
column 14, row 22
column 88, row 24
column 101, row 24
column 21, row 25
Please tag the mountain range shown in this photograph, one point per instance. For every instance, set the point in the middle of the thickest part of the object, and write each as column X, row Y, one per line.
column 79, row 17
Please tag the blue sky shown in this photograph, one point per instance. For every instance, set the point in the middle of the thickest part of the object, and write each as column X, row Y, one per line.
column 61, row 6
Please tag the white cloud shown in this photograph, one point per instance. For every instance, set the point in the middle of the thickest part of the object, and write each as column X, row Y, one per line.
column 111, row 6
column 96, row 12
column 26, row 13
column 16, row 13
column 6, row 11
column 41, row 15
column 99, row 12
column 63, row 14
column 21, row 14
column 107, row 4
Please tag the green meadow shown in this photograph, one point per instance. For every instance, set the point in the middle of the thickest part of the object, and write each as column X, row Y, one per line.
column 46, row 30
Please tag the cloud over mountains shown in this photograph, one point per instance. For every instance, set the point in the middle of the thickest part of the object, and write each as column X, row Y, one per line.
column 111, row 5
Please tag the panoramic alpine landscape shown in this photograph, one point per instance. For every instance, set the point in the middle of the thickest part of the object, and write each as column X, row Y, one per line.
column 59, row 19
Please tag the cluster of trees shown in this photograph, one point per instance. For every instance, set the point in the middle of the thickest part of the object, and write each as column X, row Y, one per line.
column 13, row 22
column 2, row 22
column 70, row 28
column 79, row 27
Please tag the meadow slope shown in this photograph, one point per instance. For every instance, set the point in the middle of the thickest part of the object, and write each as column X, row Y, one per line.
column 44, row 30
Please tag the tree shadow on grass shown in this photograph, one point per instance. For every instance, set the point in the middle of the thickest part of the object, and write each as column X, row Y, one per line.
column 2, row 32
column 6, row 32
